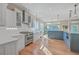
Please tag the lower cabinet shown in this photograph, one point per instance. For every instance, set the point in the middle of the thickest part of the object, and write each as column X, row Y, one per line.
column 66, row 39
column 8, row 48
column 20, row 42
column 74, row 42
column 2, row 52
column 55, row 35
column 13, row 47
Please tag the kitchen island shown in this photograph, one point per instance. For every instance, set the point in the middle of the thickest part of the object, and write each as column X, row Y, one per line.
column 10, row 42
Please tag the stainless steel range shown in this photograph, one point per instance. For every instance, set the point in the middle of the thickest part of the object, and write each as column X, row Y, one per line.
column 28, row 37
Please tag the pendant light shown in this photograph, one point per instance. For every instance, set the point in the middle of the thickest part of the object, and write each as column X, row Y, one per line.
column 75, row 17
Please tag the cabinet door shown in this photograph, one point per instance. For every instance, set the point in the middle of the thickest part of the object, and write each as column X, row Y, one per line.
column 3, row 14
column 18, row 17
column 0, row 14
column 10, row 18
column 10, row 48
column 20, row 43
column 1, row 50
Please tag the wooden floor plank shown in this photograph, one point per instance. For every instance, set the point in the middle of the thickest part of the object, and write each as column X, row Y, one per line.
column 56, row 47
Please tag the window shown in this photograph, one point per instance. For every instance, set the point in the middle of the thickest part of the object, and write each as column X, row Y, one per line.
column 74, row 28
column 53, row 27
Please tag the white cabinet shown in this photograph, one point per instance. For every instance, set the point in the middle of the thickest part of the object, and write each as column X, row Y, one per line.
column 10, row 48
column 13, row 18
column 18, row 17
column 13, row 47
column 2, row 50
column 0, row 14
column 20, row 42
column 3, row 14
column 10, row 18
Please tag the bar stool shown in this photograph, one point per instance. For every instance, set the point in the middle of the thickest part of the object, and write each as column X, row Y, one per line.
column 42, row 46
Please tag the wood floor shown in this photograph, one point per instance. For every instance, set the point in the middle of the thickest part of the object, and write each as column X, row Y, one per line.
column 56, row 47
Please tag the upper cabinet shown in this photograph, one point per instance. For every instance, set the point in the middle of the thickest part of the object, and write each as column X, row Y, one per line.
column 18, row 18
column 14, row 16
column 2, row 14
column 17, row 15
column 26, row 18
column 10, row 18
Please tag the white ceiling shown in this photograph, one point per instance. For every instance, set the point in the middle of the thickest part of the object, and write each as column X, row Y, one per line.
column 49, row 11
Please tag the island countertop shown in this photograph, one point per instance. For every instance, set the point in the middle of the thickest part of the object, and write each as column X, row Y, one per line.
column 6, row 36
